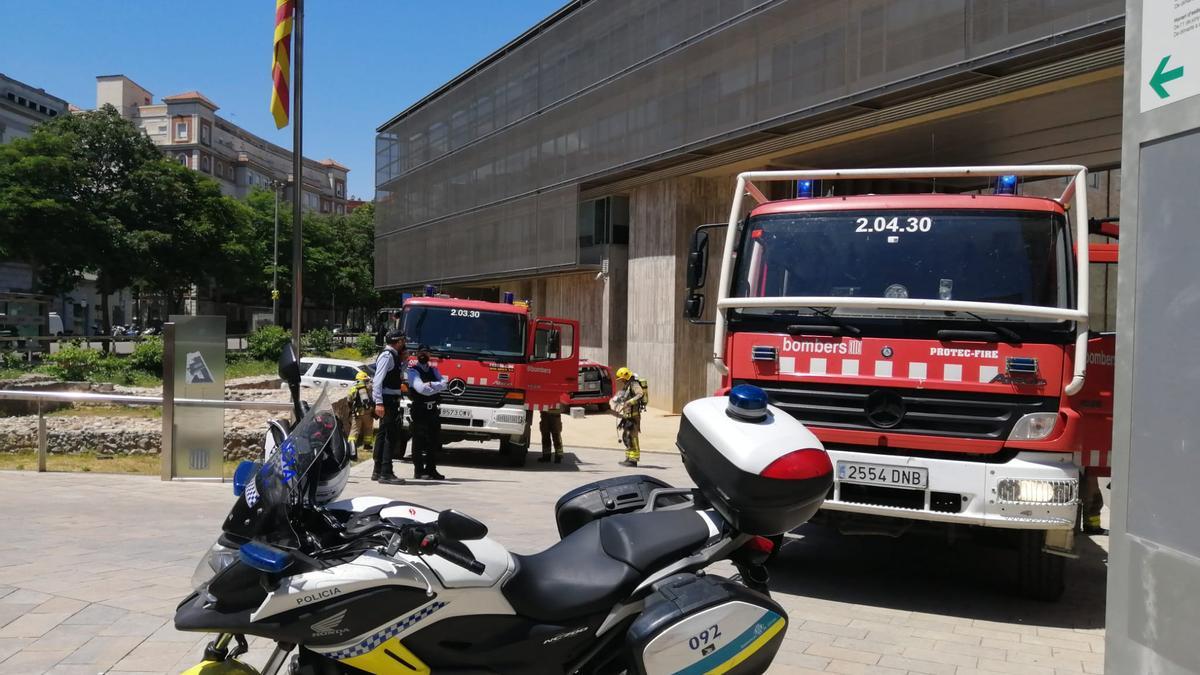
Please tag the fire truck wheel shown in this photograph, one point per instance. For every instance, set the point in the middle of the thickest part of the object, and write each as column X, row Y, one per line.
column 1040, row 575
column 515, row 452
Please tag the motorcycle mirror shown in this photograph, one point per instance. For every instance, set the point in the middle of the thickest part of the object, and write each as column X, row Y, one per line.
column 289, row 368
column 460, row 526
column 289, row 371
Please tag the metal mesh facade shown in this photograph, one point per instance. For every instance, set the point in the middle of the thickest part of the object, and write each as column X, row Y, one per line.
column 475, row 183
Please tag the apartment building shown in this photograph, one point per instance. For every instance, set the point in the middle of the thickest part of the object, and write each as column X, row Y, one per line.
column 22, row 106
column 188, row 129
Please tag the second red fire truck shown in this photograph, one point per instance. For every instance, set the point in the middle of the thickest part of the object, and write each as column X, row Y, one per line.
column 937, row 344
column 503, row 365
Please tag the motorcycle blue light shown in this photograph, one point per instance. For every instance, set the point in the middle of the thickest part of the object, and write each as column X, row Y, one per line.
column 804, row 189
column 1006, row 185
column 264, row 558
column 242, row 475
column 747, row 402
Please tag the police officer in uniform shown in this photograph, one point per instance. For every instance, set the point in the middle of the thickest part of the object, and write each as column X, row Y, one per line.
column 386, row 391
column 425, row 387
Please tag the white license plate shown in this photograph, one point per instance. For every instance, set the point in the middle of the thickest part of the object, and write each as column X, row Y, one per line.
column 456, row 413
column 886, row 475
column 590, row 386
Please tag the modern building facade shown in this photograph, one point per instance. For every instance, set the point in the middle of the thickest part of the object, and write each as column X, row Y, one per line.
column 187, row 128
column 572, row 164
column 22, row 106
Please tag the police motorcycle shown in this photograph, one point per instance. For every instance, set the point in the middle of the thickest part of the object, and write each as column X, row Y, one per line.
column 375, row 585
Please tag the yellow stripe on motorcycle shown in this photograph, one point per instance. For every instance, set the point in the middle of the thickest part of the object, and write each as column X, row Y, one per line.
column 227, row 667
column 389, row 658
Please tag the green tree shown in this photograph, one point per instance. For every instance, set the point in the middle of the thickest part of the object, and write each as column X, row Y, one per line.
column 43, row 219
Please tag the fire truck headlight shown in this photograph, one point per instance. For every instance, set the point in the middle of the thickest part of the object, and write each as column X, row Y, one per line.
column 1034, row 427
column 1030, row 491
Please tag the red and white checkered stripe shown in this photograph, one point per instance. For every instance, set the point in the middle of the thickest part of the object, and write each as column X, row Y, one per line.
column 887, row 368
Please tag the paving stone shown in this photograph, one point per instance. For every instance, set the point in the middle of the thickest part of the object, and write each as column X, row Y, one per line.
column 64, row 637
column 57, row 605
column 32, row 625
column 10, row 646
column 96, row 614
column 137, row 625
column 31, row 663
column 103, row 651
column 840, row 653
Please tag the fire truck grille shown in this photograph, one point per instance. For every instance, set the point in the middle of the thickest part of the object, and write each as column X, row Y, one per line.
column 483, row 397
column 904, row 411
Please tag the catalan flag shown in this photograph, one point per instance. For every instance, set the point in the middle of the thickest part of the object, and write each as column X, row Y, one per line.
column 281, row 63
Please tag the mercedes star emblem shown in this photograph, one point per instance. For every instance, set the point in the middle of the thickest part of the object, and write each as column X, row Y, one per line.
column 457, row 387
column 885, row 409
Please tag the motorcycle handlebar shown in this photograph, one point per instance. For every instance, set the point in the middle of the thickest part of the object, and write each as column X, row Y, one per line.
column 451, row 555
column 420, row 540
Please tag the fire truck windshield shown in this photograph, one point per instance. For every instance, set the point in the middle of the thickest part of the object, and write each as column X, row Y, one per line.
column 1018, row 257
column 451, row 330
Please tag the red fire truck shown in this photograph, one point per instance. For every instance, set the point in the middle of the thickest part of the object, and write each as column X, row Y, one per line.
column 502, row 363
column 937, row 344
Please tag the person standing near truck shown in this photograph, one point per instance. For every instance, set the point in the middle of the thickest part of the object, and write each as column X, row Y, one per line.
column 386, row 392
column 628, row 404
column 362, row 407
column 425, row 386
column 550, row 424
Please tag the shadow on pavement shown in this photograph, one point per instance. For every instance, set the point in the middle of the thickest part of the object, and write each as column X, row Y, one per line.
column 924, row 574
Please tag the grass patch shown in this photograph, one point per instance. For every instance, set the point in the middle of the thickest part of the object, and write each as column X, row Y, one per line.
column 146, row 465
column 141, row 411
column 12, row 373
column 249, row 368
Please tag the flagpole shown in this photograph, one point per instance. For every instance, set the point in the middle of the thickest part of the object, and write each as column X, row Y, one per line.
column 297, row 169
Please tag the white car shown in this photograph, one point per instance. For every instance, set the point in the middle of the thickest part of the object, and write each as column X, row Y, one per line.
column 337, row 373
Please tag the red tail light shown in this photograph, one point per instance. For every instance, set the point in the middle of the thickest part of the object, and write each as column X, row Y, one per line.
column 798, row 465
column 760, row 545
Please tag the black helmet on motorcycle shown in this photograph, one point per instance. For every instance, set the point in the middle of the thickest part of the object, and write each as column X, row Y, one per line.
column 333, row 468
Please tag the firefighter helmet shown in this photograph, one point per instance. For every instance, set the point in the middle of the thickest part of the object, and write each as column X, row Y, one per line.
column 362, row 376
column 623, row 373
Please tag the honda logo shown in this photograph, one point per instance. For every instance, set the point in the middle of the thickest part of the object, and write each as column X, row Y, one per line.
column 457, row 387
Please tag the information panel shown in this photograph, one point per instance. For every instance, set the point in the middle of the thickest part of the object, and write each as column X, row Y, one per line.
column 199, row 441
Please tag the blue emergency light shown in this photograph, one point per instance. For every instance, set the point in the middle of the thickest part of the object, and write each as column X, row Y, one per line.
column 804, row 189
column 1006, row 185
column 404, row 297
column 508, row 297
column 430, row 290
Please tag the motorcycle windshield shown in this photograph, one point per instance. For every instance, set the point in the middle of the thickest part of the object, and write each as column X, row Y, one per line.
column 269, row 504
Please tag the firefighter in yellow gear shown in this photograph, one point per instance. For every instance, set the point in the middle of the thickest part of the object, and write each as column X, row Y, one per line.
column 362, row 416
column 628, row 405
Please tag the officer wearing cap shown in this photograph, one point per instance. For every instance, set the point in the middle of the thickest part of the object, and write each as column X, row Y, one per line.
column 386, row 391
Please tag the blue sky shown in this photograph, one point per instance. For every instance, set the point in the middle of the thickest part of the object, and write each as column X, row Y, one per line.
column 365, row 60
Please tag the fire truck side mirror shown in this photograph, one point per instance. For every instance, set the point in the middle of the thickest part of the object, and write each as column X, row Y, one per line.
column 693, row 306
column 697, row 266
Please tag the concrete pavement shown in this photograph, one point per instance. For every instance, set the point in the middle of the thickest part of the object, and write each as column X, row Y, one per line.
column 94, row 565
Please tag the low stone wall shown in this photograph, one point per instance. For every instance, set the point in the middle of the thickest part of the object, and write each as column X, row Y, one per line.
column 239, row 444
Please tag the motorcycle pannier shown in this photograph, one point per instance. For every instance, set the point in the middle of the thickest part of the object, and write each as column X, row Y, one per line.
column 763, row 471
column 695, row 624
column 623, row 494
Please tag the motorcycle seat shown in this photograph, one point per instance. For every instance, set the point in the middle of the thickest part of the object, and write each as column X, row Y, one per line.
column 600, row 564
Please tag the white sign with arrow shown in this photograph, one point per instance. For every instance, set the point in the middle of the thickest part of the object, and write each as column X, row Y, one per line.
column 1170, row 52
